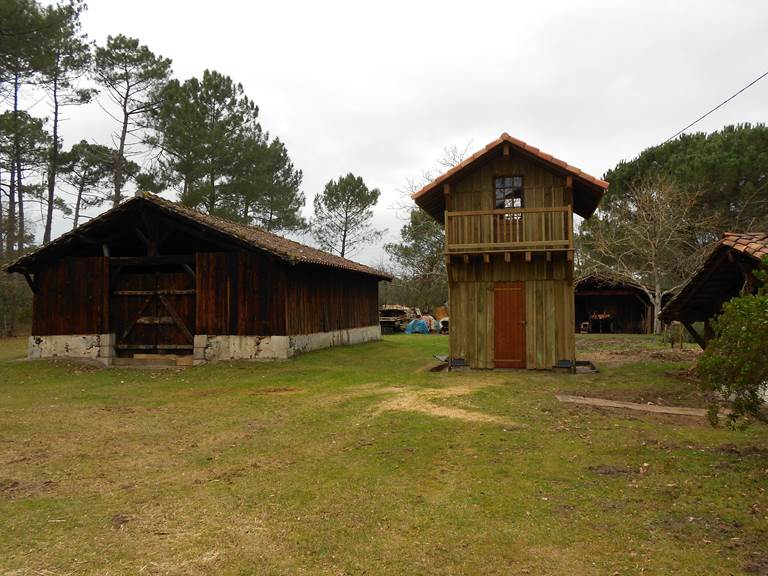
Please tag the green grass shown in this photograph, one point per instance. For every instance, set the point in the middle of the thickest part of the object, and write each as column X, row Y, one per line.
column 294, row 468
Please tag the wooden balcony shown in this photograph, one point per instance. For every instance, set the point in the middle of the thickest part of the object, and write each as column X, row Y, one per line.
column 509, row 230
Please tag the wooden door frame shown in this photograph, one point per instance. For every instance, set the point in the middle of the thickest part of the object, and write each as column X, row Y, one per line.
column 158, row 297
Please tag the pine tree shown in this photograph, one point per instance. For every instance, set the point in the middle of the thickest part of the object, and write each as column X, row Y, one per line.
column 343, row 215
column 87, row 168
column 65, row 58
column 132, row 75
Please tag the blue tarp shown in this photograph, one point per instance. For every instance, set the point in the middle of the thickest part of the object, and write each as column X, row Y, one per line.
column 417, row 326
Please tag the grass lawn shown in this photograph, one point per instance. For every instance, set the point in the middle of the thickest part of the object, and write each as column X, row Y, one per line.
column 360, row 460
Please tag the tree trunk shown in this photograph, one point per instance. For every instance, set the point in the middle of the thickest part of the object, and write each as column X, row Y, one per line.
column 2, row 219
column 10, row 229
column 22, row 232
column 52, row 167
column 10, row 239
column 80, row 190
column 119, row 163
column 657, row 308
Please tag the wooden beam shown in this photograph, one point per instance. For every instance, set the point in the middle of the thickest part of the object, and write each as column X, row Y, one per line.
column 695, row 335
column 154, row 320
column 506, row 150
column 446, row 189
column 569, row 255
column 176, row 318
column 486, row 258
column 528, row 256
column 447, row 259
column 507, row 257
column 171, row 292
column 549, row 256
column 105, row 249
column 178, row 259
column 30, row 280
column 136, row 319
column 466, row 258
column 188, row 269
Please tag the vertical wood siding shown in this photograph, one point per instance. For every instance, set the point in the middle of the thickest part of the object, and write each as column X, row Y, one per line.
column 541, row 188
column 72, row 297
column 323, row 299
column 549, row 307
column 239, row 293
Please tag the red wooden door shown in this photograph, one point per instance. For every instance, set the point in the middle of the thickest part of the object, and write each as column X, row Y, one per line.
column 509, row 324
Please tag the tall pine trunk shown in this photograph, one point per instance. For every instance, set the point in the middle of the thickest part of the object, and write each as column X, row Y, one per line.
column 53, row 165
column 16, row 161
column 119, row 161
column 10, row 229
column 19, row 191
column 79, row 201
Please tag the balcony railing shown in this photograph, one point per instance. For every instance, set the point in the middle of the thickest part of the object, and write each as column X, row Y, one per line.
column 509, row 230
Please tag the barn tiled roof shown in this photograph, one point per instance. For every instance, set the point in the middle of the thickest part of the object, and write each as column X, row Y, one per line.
column 285, row 249
column 717, row 278
column 423, row 196
column 753, row 244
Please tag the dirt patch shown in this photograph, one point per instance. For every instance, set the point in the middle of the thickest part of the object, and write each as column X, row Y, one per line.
column 118, row 521
column 15, row 489
column 757, row 565
column 631, row 355
column 741, row 450
column 608, row 470
column 422, row 401
column 261, row 391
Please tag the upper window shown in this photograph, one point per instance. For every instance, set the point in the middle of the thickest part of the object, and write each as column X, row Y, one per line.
column 509, row 192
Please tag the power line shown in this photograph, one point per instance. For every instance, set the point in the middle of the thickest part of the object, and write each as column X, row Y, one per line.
column 755, row 81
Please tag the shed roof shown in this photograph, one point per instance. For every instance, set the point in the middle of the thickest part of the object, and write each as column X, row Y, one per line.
column 249, row 236
column 719, row 278
column 588, row 190
column 598, row 280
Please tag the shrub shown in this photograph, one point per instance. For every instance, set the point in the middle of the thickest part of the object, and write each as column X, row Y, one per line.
column 735, row 363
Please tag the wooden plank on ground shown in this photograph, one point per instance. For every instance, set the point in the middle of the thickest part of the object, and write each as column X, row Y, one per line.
column 654, row 408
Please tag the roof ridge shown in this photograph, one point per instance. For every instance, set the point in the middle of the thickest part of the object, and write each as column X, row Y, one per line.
column 254, row 236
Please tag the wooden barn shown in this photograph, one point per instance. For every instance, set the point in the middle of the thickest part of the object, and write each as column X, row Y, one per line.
column 151, row 278
column 508, row 216
column 605, row 305
column 727, row 272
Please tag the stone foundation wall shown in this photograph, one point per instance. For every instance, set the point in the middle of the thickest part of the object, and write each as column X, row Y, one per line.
column 212, row 348
column 101, row 347
column 96, row 347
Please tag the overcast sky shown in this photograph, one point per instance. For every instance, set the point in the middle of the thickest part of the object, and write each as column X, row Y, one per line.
column 380, row 89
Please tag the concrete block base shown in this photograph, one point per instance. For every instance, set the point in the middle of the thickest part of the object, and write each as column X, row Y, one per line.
column 101, row 347
column 95, row 347
column 213, row 348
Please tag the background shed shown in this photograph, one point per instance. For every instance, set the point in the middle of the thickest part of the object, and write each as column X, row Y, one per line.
column 726, row 273
column 607, row 305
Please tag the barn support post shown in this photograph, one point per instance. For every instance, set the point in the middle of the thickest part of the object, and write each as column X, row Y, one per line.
column 30, row 280
column 701, row 341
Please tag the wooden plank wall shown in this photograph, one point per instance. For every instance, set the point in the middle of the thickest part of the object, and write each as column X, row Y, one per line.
column 239, row 293
column 323, row 299
column 541, row 188
column 549, row 307
column 71, row 297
